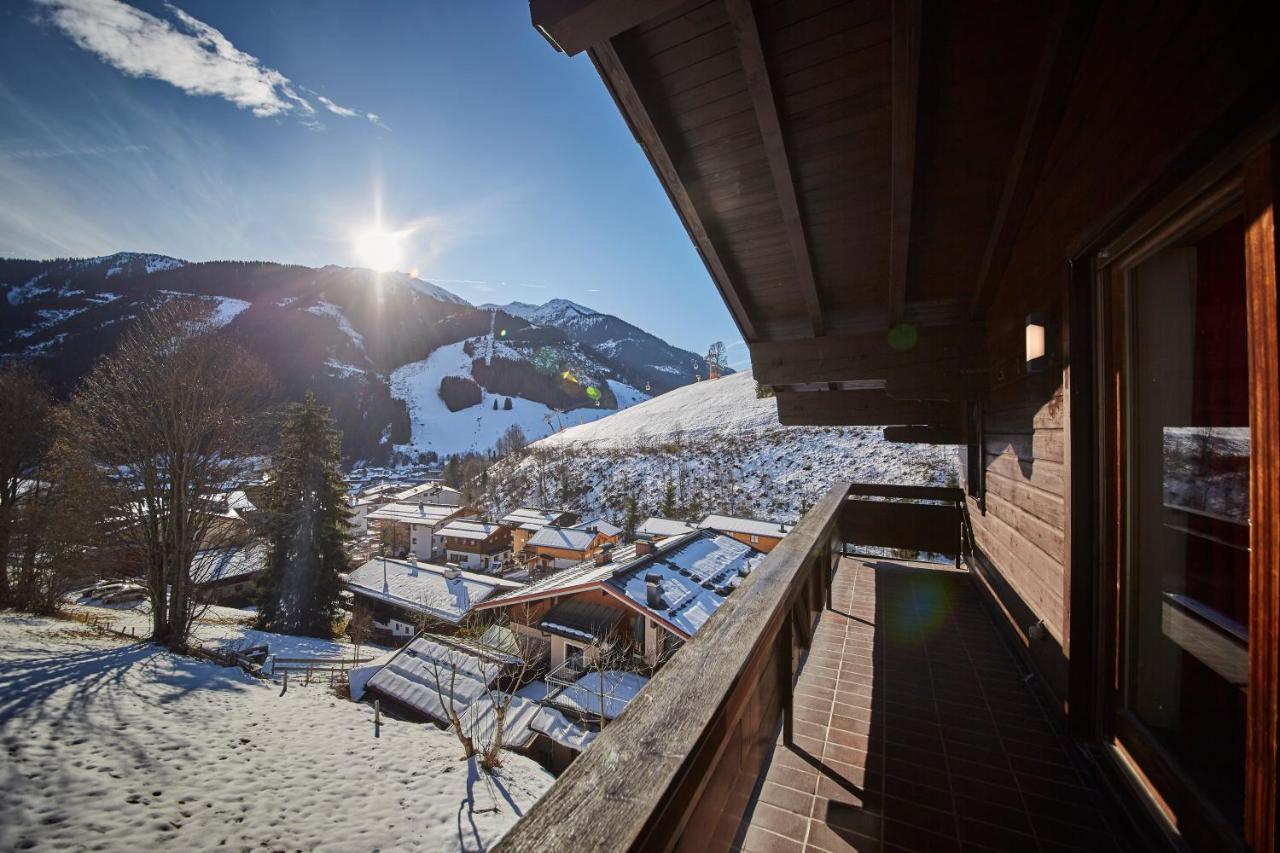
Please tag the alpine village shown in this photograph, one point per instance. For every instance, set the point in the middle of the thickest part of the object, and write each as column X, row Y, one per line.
column 970, row 543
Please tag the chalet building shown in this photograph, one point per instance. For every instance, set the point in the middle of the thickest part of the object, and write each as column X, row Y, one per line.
column 473, row 544
column 1046, row 234
column 525, row 521
column 429, row 493
column 658, row 529
column 656, row 595
column 400, row 596
column 414, row 528
column 228, row 575
column 430, row 672
column 561, row 547
column 763, row 535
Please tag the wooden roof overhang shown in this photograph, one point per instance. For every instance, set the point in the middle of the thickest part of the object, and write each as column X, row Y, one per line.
column 852, row 172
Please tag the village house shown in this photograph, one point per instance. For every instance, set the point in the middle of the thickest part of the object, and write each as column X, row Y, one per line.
column 657, row 528
column 525, row 521
column 431, row 492
column 554, row 547
column 228, row 575
column 400, row 596
column 475, row 544
column 655, row 596
column 763, row 535
column 433, row 674
column 414, row 528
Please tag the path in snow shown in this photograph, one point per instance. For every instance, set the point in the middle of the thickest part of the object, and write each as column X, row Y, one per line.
column 434, row 428
column 117, row 746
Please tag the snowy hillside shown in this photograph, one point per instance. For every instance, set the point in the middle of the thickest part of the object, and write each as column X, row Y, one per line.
column 711, row 446
column 433, row 428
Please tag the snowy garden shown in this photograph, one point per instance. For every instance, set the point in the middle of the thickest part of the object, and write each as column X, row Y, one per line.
column 111, row 744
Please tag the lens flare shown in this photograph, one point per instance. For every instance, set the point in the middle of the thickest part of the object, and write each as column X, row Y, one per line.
column 380, row 249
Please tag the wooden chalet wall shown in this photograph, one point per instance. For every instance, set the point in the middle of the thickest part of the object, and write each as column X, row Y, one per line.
column 1154, row 90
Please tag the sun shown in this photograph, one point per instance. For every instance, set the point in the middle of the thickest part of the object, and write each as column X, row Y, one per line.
column 380, row 249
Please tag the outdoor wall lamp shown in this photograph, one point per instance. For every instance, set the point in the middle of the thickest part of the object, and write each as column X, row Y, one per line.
column 1037, row 342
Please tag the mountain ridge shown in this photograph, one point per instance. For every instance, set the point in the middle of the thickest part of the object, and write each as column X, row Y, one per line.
column 342, row 332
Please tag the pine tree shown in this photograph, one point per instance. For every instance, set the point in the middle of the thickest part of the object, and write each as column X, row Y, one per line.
column 306, row 517
column 669, row 500
column 630, row 519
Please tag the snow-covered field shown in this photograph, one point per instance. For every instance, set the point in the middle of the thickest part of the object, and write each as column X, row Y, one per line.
column 477, row 428
column 717, row 448
column 110, row 745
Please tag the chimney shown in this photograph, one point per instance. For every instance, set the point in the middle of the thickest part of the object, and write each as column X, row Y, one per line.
column 413, row 565
column 604, row 556
column 452, row 572
column 653, row 589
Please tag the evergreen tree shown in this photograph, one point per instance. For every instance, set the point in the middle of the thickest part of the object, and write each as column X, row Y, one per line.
column 669, row 500
column 630, row 519
column 306, row 517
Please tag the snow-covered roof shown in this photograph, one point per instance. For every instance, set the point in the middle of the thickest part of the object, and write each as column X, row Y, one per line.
column 423, row 587
column 532, row 518
column 431, row 488
column 478, row 530
column 599, row 525
column 582, row 576
column 663, row 527
column 587, row 697
column 430, row 514
column 695, row 574
column 430, row 669
column 749, row 526
column 223, row 564
column 569, row 538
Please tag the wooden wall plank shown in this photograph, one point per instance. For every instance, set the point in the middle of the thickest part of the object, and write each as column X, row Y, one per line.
column 1262, row 262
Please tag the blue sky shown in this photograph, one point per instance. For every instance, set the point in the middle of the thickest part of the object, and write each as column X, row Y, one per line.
column 283, row 131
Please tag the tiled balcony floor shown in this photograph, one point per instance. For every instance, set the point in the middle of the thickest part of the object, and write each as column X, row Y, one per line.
column 914, row 730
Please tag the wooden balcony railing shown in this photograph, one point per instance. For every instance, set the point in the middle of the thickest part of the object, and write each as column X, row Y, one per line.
column 678, row 767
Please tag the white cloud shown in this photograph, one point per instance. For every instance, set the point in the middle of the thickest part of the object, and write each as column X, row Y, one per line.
column 335, row 108
column 191, row 55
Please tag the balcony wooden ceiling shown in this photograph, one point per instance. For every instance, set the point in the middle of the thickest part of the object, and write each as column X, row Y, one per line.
column 845, row 168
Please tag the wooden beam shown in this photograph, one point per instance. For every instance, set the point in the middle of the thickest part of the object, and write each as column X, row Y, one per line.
column 643, row 126
column 927, row 434
column 857, row 408
column 905, row 52
column 572, row 26
column 849, row 358
column 746, row 30
column 1262, row 301
column 1068, row 32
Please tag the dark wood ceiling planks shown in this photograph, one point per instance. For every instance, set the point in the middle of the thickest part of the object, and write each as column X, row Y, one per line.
column 843, row 166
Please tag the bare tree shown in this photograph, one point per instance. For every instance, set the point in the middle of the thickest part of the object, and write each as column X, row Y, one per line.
column 500, row 660
column 717, row 360
column 163, row 425
column 607, row 659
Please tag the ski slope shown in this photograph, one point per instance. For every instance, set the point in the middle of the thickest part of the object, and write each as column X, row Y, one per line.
column 433, row 428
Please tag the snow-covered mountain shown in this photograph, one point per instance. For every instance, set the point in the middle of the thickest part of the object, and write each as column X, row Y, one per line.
column 711, row 446
column 639, row 357
column 379, row 348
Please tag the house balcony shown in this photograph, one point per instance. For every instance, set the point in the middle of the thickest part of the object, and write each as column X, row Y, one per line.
column 845, row 698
